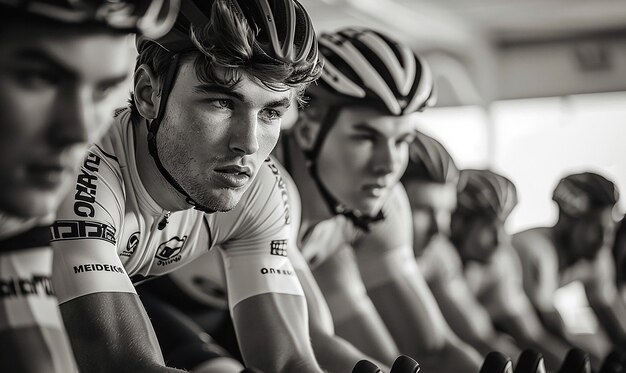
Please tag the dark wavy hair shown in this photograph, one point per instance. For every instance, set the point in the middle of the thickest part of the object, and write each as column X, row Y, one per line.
column 228, row 43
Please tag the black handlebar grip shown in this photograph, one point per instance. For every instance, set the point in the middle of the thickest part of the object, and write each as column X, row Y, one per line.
column 615, row 362
column 365, row 366
column 530, row 361
column 496, row 362
column 405, row 364
column 576, row 361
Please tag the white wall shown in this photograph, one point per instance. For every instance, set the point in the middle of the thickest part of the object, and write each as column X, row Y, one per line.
column 536, row 142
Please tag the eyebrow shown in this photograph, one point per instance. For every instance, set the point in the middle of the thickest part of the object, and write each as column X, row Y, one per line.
column 204, row 88
column 62, row 69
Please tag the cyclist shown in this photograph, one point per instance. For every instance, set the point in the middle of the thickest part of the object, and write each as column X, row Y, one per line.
column 62, row 65
column 346, row 154
column 576, row 248
column 310, row 152
column 431, row 181
column 186, row 169
column 491, row 266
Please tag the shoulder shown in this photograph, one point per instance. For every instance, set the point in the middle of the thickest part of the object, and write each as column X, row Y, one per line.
column 532, row 241
column 97, row 200
column 268, row 193
column 263, row 210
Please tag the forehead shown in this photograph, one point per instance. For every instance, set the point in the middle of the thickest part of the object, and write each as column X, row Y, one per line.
column 87, row 54
column 359, row 117
column 247, row 87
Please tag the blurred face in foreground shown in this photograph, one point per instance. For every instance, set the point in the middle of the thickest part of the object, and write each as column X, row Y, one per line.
column 59, row 86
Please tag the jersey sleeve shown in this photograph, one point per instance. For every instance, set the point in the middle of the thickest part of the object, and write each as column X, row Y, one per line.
column 255, row 253
column 85, row 233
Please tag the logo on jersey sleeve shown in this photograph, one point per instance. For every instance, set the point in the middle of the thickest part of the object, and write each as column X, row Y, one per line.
column 169, row 251
column 283, row 189
column 131, row 245
column 86, row 187
column 80, row 229
column 278, row 247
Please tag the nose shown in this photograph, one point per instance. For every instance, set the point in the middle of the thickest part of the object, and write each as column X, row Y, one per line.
column 384, row 159
column 243, row 139
column 73, row 117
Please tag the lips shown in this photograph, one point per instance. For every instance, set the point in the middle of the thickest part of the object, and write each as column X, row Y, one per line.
column 374, row 190
column 233, row 176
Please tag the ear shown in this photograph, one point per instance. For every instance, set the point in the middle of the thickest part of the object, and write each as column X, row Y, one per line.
column 146, row 92
column 307, row 127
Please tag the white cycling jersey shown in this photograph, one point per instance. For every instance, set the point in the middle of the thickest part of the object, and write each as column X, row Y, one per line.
column 111, row 230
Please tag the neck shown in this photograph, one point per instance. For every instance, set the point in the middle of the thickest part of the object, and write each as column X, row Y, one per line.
column 314, row 209
column 157, row 186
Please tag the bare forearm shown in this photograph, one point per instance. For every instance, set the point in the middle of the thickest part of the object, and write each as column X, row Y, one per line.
column 613, row 319
column 367, row 333
column 110, row 332
column 335, row 354
column 451, row 358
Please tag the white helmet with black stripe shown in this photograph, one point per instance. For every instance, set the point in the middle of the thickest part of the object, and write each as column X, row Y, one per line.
column 366, row 68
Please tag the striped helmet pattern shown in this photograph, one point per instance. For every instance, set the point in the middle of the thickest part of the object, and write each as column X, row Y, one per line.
column 366, row 68
column 430, row 161
column 486, row 193
column 579, row 194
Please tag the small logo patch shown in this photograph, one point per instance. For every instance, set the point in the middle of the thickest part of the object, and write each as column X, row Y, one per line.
column 169, row 251
column 131, row 245
column 279, row 247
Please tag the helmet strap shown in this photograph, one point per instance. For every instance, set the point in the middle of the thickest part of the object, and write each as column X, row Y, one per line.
column 153, row 128
column 362, row 221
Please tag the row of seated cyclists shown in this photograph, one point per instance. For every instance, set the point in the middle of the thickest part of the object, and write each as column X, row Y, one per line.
column 350, row 237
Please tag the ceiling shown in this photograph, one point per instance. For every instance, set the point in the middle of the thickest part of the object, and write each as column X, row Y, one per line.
column 496, row 20
column 469, row 42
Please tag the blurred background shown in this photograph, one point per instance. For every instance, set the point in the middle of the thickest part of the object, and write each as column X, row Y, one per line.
column 532, row 89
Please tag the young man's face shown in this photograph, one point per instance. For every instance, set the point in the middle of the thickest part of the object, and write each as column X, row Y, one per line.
column 591, row 233
column 363, row 157
column 482, row 239
column 432, row 205
column 58, row 90
column 214, row 139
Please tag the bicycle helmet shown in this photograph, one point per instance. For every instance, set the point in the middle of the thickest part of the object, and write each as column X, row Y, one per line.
column 578, row 194
column 363, row 67
column 430, row 161
column 151, row 18
column 486, row 193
